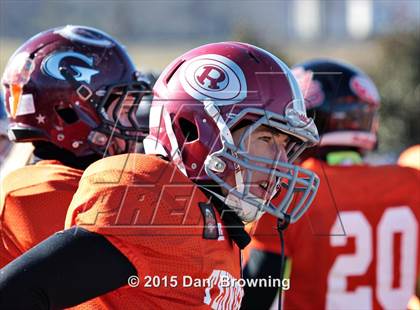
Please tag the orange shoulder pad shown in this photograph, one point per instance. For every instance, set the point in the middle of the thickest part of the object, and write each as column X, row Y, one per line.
column 43, row 177
column 132, row 191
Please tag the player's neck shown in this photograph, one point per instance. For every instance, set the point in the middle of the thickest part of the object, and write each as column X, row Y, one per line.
column 48, row 151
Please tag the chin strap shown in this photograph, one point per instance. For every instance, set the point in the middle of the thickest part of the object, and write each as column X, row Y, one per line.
column 281, row 226
column 241, row 208
column 225, row 135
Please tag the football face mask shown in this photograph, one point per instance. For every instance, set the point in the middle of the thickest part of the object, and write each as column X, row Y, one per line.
column 257, row 178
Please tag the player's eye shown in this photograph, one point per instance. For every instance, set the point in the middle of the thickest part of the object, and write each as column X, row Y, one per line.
column 267, row 139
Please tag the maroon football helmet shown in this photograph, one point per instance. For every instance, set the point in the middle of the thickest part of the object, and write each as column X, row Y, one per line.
column 75, row 87
column 211, row 90
column 344, row 100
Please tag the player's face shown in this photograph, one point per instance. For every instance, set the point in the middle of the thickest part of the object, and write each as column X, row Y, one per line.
column 123, row 111
column 118, row 145
column 262, row 142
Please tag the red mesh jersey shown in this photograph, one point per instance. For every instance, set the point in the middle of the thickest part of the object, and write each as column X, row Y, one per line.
column 34, row 203
column 151, row 212
column 357, row 247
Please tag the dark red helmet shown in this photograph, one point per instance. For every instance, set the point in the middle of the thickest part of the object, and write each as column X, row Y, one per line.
column 69, row 86
column 207, row 92
column 3, row 117
column 343, row 99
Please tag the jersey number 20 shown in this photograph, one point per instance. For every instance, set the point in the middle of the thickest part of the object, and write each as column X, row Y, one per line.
column 393, row 221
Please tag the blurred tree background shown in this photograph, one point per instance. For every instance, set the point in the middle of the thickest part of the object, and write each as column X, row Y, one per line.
column 398, row 79
column 244, row 33
column 380, row 36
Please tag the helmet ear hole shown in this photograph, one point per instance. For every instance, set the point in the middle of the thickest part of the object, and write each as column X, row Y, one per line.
column 189, row 129
column 68, row 115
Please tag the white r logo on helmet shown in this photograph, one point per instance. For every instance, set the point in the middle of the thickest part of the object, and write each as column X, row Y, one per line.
column 214, row 77
column 51, row 66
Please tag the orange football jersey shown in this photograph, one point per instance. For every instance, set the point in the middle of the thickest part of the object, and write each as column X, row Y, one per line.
column 33, row 205
column 357, row 247
column 163, row 224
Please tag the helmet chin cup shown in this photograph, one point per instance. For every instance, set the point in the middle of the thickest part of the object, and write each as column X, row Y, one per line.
column 215, row 164
column 246, row 211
